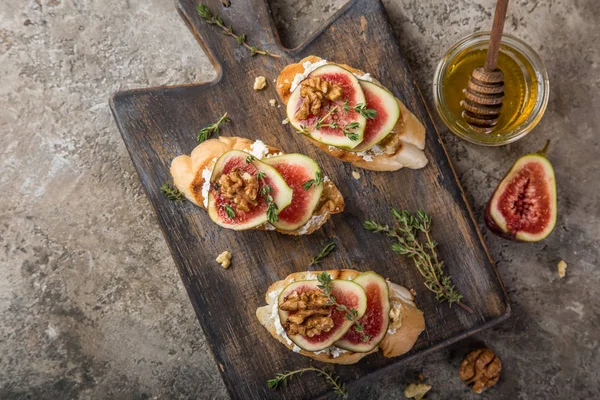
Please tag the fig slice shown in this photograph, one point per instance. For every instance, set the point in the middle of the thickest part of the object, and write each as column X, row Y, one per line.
column 376, row 318
column 338, row 112
column 297, row 170
column 388, row 113
column 348, row 293
column 225, row 212
column 523, row 206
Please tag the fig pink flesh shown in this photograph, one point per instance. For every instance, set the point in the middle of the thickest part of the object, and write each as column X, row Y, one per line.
column 525, row 204
column 374, row 125
column 294, row 176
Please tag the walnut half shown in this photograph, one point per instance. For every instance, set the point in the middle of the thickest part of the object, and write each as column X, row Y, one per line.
column 481, row 368
column 240, row 187
column 310, row 313
column 314, row 90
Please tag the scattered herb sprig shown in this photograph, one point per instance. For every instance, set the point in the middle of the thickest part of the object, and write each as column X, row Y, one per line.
column 214, row 19
column 423, row 254
column 206, row 132
column 328, row 249
column 351, row 314
column 316, row 182
column 172, row 193
column 334, row 381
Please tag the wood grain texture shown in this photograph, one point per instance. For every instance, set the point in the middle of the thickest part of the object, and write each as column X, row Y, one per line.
column 158, row 124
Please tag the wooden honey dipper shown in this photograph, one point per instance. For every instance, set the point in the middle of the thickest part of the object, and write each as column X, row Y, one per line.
column 485, row 91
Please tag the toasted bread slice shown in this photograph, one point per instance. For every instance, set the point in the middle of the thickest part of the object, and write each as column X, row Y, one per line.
column 402, row 147
column 394, row 344
column 187, row 177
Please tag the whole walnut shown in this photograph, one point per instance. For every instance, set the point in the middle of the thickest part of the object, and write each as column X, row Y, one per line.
column 481, row 368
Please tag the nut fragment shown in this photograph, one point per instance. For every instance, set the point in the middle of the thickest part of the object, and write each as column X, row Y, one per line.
column 272, row 102
column 314, row 90
column 356, row 175
column 310, row 316
column 481, row 368
column 416, row 390
column 241, row 187
column 562, row 268
column 260, row 82
column 224, row 259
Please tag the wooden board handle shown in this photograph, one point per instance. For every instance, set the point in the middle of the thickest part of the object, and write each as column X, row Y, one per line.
column 251, row 18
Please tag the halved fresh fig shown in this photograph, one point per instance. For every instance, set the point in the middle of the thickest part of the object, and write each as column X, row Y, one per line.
column 388, row 111
column 348, row 293
column 523, row 206
column 349, row 125
column 376, row 318
column 297, row 170
column 225, row 212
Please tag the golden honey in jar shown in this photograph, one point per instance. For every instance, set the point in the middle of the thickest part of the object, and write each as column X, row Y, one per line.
column 525, row 88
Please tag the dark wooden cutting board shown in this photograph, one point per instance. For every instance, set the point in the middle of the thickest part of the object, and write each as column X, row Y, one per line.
column 158, row 124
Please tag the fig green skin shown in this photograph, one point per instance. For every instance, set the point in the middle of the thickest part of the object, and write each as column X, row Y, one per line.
column 494, row 226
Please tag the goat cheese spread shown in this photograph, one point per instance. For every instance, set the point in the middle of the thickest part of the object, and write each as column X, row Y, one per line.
column 366, row 77
column 308, row 68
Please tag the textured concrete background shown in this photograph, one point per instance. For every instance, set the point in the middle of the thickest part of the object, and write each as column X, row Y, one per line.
column 91, row 305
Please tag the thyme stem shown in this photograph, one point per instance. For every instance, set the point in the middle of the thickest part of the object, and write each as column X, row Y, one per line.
column 334, row 381
column 214, row 19
column 423, row 253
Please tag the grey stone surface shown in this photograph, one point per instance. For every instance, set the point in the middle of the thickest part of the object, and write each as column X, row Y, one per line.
column 91, row 305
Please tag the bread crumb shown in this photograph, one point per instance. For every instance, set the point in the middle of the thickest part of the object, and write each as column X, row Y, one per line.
column 272, row 102
column 224, row 259
column 356, row 175
column 562, row 268
column 260, row 82
column 285, row 121
column 416, row 390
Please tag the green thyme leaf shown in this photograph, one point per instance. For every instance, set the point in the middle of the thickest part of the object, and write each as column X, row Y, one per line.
column 206, row 132
column 172, row 193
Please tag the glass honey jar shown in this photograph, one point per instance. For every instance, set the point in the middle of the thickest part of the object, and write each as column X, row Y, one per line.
column 526, row 88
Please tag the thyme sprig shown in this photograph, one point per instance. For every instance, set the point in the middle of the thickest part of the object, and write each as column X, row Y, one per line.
column 281, row 379
column 229, row 210
column 316, row 182
column 172, row 193
column 214, row 19
column 351, row 314
column 328, row 249
column 347, row 129
column 423, row 254
column 206, row 132
column 265, row 191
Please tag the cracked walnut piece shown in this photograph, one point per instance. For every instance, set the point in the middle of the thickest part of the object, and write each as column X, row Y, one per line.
column 314, row 90
column 224, row 259
column 481, row 368
column 311, row 314
column 240, row 187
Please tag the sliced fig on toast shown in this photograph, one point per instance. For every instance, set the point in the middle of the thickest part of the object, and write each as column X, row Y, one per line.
column 235, row 208
column 387, row 114
column 303, row 175
column 347, row 293
column 338, row 122
column 523, row 206
column 376, row 319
